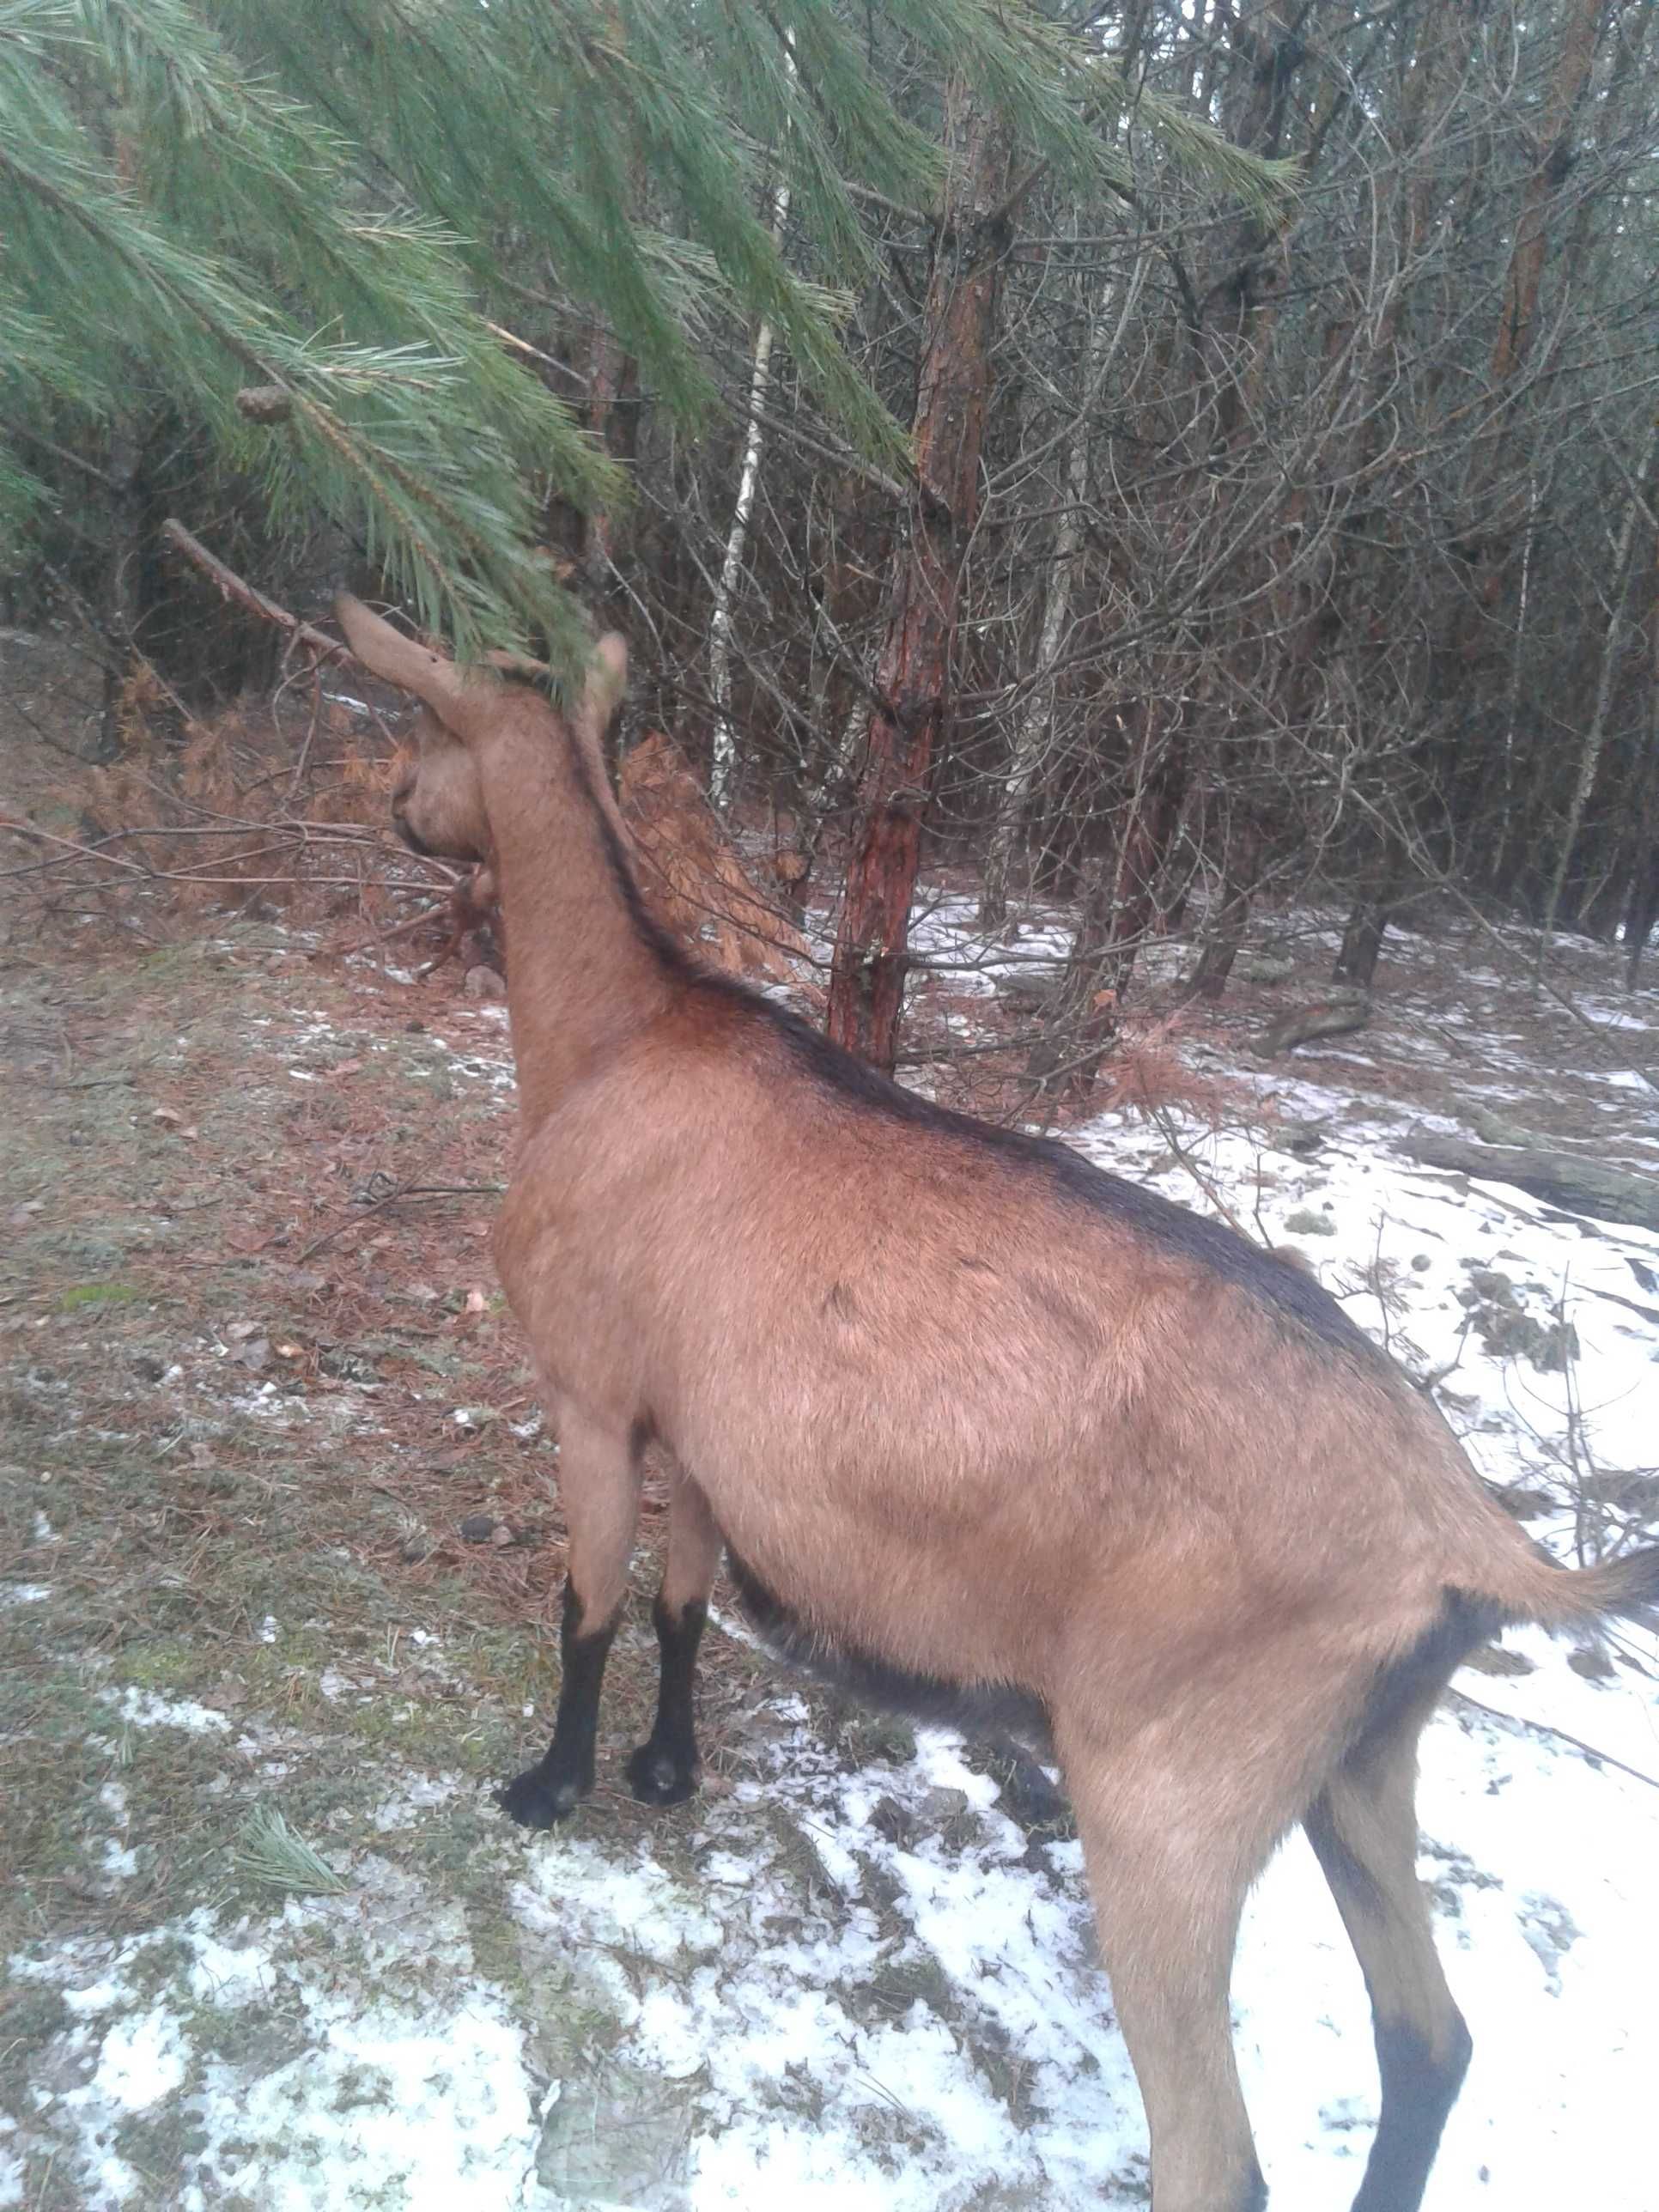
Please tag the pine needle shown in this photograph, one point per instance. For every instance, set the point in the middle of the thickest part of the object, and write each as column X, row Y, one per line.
column 270, row 1851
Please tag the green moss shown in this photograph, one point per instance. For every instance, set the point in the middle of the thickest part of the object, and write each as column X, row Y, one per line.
column 162, row 1663
column 79, row 1296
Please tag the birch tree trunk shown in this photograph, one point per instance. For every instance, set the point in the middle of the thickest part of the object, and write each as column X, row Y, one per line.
column 1037, row 722
column 725, row 749
column 1032, row 737
column 724, row 746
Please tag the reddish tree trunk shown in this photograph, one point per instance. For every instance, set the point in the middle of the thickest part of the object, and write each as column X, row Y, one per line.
column 913, row 670
column 1526, row 269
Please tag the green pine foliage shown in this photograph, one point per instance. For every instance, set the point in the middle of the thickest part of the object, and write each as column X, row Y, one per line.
column 359, row 208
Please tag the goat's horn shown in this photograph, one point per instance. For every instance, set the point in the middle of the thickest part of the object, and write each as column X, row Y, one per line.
column 607, row 680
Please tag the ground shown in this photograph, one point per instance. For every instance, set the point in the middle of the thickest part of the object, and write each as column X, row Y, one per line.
column 279, row 1559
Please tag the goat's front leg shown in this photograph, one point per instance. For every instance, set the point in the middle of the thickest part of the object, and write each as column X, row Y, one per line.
column 599, row 1487
column 665, row 1769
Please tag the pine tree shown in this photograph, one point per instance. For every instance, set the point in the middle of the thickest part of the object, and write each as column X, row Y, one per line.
column 198, row 200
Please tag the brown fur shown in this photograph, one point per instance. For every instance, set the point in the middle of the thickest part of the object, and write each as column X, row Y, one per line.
column 979, row 1419
column 690, row 874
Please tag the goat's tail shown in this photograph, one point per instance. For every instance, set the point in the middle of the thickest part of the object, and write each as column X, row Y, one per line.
column 1559, row 1598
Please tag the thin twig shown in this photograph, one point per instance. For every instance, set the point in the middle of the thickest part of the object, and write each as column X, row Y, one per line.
column 393, row 1197
column 1548, row 1728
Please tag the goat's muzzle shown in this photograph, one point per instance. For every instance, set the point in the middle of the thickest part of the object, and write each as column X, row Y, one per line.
column 416, row 844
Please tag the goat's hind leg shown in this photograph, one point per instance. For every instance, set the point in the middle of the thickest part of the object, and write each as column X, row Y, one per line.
column 1364, row 1829
column 665, row 1769
column 1168, row 1869
column 599, row 1489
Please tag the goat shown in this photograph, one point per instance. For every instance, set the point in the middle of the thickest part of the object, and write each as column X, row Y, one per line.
column 988, row 1434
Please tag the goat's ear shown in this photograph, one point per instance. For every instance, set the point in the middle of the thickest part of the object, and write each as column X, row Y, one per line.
column 404, row 661
column 607, row 680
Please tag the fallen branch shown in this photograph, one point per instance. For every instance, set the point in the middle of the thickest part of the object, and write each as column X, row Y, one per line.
column 1332, row 1016
column 1563, row 1179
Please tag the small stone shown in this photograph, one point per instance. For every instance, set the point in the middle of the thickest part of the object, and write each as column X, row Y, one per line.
column 894, row 1820
column 1304, row 1221
column 1421, row 1261
column 415, row 1549
column 480, row 1528
column 1302, row 1136
column 482, row 982
column 146, row 1367
column 346, row 1365
column 501, row 1536
column 1492, row 1129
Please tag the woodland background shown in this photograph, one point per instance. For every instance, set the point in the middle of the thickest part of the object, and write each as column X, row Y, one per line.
column 1171, row 457
column 1115, row 512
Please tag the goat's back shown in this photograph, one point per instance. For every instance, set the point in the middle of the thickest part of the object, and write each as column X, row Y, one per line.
column 984, row 1388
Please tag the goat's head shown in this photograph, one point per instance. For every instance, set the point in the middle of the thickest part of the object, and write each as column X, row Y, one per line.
column 438, row 803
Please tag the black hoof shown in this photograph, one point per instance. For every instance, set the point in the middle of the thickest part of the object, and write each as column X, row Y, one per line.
column 657, row 1778
column 535, row 1803
column 1031, row 1798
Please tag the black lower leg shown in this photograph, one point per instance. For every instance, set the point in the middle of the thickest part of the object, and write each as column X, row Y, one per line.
column 1030, row 1796
column 548, row 1791
column 1420, row 2088
column 664, row 1769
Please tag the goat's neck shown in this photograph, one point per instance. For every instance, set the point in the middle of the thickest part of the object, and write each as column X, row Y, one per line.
column 581, row 976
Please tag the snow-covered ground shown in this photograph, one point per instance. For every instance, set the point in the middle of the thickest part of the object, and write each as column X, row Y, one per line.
column 855, row 1982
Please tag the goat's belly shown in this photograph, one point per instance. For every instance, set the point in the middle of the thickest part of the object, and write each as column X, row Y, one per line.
column 979, row 1703
column 920, row 1611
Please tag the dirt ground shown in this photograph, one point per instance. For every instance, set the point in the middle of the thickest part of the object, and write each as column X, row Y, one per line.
column 278, row 1536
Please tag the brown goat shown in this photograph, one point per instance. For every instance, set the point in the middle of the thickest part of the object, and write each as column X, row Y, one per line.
column 988, row 1433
